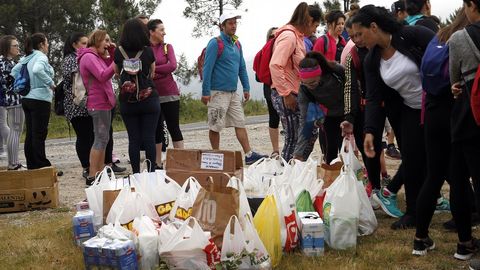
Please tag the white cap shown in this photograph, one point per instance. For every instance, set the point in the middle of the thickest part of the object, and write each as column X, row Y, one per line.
column 229, row 15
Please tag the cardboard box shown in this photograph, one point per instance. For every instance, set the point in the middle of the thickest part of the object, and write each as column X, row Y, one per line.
column 183, row 163
column 311, row 233
column 28, row 190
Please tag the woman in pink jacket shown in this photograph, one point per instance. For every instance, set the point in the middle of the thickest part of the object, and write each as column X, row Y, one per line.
column 96, row 68
column 288, row 51
column 165, row 65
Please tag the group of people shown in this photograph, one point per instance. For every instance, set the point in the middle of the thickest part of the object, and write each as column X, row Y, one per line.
column 385, row 72
column 369, row 65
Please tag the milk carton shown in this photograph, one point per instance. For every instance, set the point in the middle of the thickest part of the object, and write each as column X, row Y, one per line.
column 312, row 233
column 83, row 226
column 103, row 253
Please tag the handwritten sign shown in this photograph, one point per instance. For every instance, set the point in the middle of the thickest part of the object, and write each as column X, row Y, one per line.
column 212, row 161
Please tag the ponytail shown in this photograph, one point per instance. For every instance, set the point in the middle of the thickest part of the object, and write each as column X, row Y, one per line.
column 301, row 17
column 33, row 42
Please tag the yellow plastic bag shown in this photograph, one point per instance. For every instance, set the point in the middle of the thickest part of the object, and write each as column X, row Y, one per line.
column 267, row 223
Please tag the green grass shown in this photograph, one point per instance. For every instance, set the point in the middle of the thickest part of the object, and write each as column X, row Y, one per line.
column 43, row 240
column 191, row 110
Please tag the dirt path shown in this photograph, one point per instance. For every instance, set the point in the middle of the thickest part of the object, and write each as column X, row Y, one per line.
column 61, row 153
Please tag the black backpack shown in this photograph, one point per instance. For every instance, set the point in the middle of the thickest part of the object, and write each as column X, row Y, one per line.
column 58, row 99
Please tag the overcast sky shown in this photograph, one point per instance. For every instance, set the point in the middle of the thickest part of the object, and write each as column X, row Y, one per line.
column 261, row 15
column 252, row 28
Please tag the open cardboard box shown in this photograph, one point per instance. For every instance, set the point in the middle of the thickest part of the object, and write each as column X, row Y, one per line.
column 28, row 190
column 201, row 164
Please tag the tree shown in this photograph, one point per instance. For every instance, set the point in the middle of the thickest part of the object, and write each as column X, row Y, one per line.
column 184, row 73
column 347, row 3
column 206, row 14
column 331, row 5
column 451, row 18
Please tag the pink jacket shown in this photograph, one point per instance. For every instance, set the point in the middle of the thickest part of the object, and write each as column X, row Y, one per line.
column 97, row 76
column 165, row 65
column 288, row 51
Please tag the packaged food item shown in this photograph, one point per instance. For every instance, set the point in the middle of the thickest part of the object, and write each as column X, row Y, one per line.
column 83, row 228
column 312, row 234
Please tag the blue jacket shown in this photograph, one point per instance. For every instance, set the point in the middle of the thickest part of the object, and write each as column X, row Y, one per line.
column 41, row 75
column 222, row 74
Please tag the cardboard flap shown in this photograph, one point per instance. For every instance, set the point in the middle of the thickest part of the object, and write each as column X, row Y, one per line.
column 203, row 160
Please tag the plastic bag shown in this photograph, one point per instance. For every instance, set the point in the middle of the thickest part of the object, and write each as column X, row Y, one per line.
column 307, row 180
column 182, row 208
column 130, row 205
column 304, row 202
column 267, row 223
column 341, row 209
column 235, row 252
column 261, row 259
column 258, row 176
column 288, row 219
column 244, row 206
column 190, row 248
column 160, row 189
column 367, row 222
column 147, row 238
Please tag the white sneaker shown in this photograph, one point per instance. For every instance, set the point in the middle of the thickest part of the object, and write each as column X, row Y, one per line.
column 374, row 203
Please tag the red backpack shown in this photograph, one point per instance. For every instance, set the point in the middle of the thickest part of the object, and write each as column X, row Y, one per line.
column 475, row 97
column 201, row 58
column 261, row 63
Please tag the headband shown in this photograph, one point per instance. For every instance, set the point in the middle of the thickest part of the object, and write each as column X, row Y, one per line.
column 307, row 73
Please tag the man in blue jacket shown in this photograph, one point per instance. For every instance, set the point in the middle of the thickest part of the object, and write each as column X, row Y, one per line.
column 223, row 65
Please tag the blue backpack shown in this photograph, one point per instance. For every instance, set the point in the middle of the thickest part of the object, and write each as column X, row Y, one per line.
column 21, row 85
column 435, row 68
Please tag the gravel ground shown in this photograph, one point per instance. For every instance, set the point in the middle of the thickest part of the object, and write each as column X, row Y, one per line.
column 62, row 155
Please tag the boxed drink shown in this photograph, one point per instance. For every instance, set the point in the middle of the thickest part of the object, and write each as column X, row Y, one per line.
column 106, row 253
column 83, row 226
column 312, row 233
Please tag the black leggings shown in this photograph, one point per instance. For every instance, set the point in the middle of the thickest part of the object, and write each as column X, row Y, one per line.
column 170, row 113
column 37, row 115
column 83, row 128
column 371, row 164
column 437, row 147
column 141, row 120
column 330, row 137
column 464, row 163
column 410, row 136
column 273, row 118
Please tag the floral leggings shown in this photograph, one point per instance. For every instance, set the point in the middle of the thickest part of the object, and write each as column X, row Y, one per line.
column 290, row 122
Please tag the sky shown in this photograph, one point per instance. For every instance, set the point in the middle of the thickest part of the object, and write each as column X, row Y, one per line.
column 252, row 27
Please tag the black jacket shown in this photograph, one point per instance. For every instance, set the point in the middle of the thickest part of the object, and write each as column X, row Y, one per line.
column 355, row 87
column 411, row 41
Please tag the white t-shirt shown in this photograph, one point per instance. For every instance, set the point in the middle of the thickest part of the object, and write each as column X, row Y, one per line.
column 403, row 75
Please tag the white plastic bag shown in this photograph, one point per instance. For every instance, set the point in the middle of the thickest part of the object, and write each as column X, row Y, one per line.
column 341, row 209
column 190, row 248
column 147, row 238
column 95, row 193
column 262, row 258
column 128, row 206
column 288, row 217
column 160, row 189
column 234, row 248
column 182, row 208
column 244, row 207
column 367, row 222
column 307, row 180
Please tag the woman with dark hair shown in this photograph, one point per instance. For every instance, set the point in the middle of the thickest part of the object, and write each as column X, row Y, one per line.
column 332, row 43
column 36, row 104
column 9, row 101
column 139, row 104
column 96, row 69
column 464, row 53
column 438, row 107
column 165, row 65
column 288, row 51
column 394, row 89
column 78, row 116
column 273, row 118
column 319, row 97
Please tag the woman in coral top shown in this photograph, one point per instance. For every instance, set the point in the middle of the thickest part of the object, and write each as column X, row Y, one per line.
column 288, row 51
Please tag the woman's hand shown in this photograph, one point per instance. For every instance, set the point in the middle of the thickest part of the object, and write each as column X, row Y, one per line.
column 347, row 128
column 368, row 146
column 290, row 102
column 457, row 89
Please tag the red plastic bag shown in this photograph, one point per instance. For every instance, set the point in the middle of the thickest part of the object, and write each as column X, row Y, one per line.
column 318, row 204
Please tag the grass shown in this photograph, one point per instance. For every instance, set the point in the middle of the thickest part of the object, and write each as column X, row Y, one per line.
column 43, row 240
column 191, row 110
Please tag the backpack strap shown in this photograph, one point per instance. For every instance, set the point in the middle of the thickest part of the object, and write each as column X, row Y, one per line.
column 325, row 44
column 221, row 46
column 165, row 49
column 356, row 60
column 122, row 51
